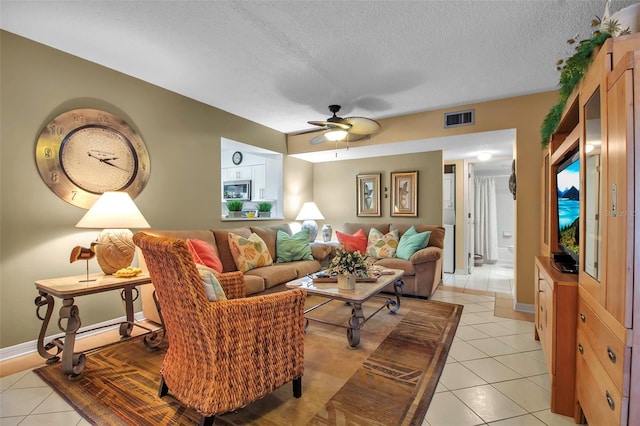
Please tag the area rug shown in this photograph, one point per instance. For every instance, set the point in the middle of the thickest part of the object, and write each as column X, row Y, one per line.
column 388, row 380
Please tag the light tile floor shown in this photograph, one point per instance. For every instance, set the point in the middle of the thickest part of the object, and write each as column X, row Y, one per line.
column 495, row 373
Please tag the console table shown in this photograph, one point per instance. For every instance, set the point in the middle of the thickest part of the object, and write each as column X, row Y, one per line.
column 68, row 288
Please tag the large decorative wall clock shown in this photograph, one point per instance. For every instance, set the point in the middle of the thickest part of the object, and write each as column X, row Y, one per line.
column 84, row 152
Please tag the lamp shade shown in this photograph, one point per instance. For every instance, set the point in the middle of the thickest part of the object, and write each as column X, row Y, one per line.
column 114, row 210
column 309, row 211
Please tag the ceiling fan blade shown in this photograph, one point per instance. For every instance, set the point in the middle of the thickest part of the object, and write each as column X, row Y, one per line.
column 343, row 126
column 304, row 132
column 318, row 140
column 362, row 126
column 352, row 137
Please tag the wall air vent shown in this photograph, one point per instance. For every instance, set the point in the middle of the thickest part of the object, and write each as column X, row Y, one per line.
column 459, row 118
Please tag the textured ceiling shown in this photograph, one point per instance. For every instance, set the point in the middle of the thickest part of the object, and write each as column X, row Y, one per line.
column 281, row 63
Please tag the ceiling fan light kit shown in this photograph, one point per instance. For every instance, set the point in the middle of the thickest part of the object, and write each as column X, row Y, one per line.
column 337, row 128
column 336, row 135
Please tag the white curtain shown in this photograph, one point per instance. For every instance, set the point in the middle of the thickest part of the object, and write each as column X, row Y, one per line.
column 486, row 229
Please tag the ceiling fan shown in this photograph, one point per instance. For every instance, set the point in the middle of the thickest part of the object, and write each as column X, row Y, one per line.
column 337, row 128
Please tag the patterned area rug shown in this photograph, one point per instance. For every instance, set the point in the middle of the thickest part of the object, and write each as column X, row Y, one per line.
column 388, row 380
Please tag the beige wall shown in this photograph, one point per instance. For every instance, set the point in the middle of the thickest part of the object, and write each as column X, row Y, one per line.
column 522, row 113
column 182, row 135
column 335, row 191
column 37, row 228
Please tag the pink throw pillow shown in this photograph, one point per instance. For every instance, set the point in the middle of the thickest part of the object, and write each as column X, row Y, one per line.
column 357, row 241
column 204, row 254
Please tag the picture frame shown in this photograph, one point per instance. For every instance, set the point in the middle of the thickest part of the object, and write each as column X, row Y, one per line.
column 368, row 203
column 404, row 194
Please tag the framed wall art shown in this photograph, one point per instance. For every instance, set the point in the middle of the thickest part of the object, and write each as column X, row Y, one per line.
column 404, row 194
column 368, row 195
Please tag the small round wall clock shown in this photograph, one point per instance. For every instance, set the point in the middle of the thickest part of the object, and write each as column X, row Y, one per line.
column 237, row 158
column 84, row 152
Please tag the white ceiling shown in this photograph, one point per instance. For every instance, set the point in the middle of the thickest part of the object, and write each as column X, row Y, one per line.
column 281, row 63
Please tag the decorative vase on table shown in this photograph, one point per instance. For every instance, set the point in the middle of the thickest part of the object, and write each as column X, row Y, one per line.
column 346, row 282
column 327, row 232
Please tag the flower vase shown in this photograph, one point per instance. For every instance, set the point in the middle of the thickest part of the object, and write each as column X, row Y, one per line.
column 346, row 282
column 327, row 232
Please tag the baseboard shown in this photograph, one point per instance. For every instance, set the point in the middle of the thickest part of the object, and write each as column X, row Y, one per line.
column 32, row 346
column 525, row 307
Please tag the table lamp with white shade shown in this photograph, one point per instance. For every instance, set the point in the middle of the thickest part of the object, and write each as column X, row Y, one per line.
column 115, row 212
column 310, row 213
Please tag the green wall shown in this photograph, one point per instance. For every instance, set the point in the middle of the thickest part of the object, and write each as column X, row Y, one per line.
column 335, row 193
column 37, row 228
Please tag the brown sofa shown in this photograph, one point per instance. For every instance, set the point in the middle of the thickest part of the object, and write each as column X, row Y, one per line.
column 423, row 270
column 266, row 279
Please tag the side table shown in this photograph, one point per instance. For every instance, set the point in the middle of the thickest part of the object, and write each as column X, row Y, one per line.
column 67, row 288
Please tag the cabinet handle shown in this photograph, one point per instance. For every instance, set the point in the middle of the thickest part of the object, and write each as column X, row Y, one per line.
column 610, row 402
column 580, row 349
column 583, row 318
column 611, row 354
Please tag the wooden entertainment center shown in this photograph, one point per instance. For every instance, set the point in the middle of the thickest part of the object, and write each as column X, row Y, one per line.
column 585, row 321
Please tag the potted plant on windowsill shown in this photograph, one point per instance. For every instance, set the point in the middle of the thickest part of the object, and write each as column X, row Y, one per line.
column 235, row 208
column 264, row 209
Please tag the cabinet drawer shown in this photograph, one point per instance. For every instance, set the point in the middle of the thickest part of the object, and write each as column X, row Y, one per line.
column 608, row 349
column 598, row 396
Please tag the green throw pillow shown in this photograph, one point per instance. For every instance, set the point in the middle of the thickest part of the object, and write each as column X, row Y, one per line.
column 412, row 241
column 212, row 286
column 290, row 248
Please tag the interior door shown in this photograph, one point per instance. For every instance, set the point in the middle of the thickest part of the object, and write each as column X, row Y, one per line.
column 471, row 222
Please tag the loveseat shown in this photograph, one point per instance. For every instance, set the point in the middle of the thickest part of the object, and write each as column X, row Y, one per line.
column 423, row 268
column 265, row 279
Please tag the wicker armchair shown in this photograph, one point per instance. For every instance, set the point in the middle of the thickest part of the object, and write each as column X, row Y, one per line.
column 222, row 355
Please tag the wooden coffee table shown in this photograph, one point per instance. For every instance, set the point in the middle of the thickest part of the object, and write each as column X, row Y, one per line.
column 363, row 292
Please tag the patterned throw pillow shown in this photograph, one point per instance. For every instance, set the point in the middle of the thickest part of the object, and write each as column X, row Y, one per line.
column 382, row 245
column 357, row 241
column 290, row 248
column 212, row 286
column 412, row 241
column 249, row 253
column 204, row 254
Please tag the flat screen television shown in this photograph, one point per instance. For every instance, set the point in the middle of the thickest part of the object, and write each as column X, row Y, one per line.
column 568, row 204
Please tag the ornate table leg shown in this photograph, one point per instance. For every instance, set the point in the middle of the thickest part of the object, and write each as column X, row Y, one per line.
column 46, row 300
column 72, row 363
column 127, row 296
column 353, row 332
column 151, row 341
column 394, row 305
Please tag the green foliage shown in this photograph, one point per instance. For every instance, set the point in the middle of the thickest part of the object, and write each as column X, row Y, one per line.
column 264, row 206
column 348, row 263
column 568, row 236
column 571, row 74
column 235, row 205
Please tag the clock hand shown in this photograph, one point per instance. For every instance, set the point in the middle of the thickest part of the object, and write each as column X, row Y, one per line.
column 99, row 158
column 108, row 161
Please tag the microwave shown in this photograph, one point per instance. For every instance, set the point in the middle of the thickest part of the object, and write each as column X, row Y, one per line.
column 237, row 190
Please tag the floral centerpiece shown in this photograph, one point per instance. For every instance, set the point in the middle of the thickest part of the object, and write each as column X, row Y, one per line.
column 348, row 265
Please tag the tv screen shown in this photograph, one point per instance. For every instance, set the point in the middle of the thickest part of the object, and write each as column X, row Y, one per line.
column 568, row 191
